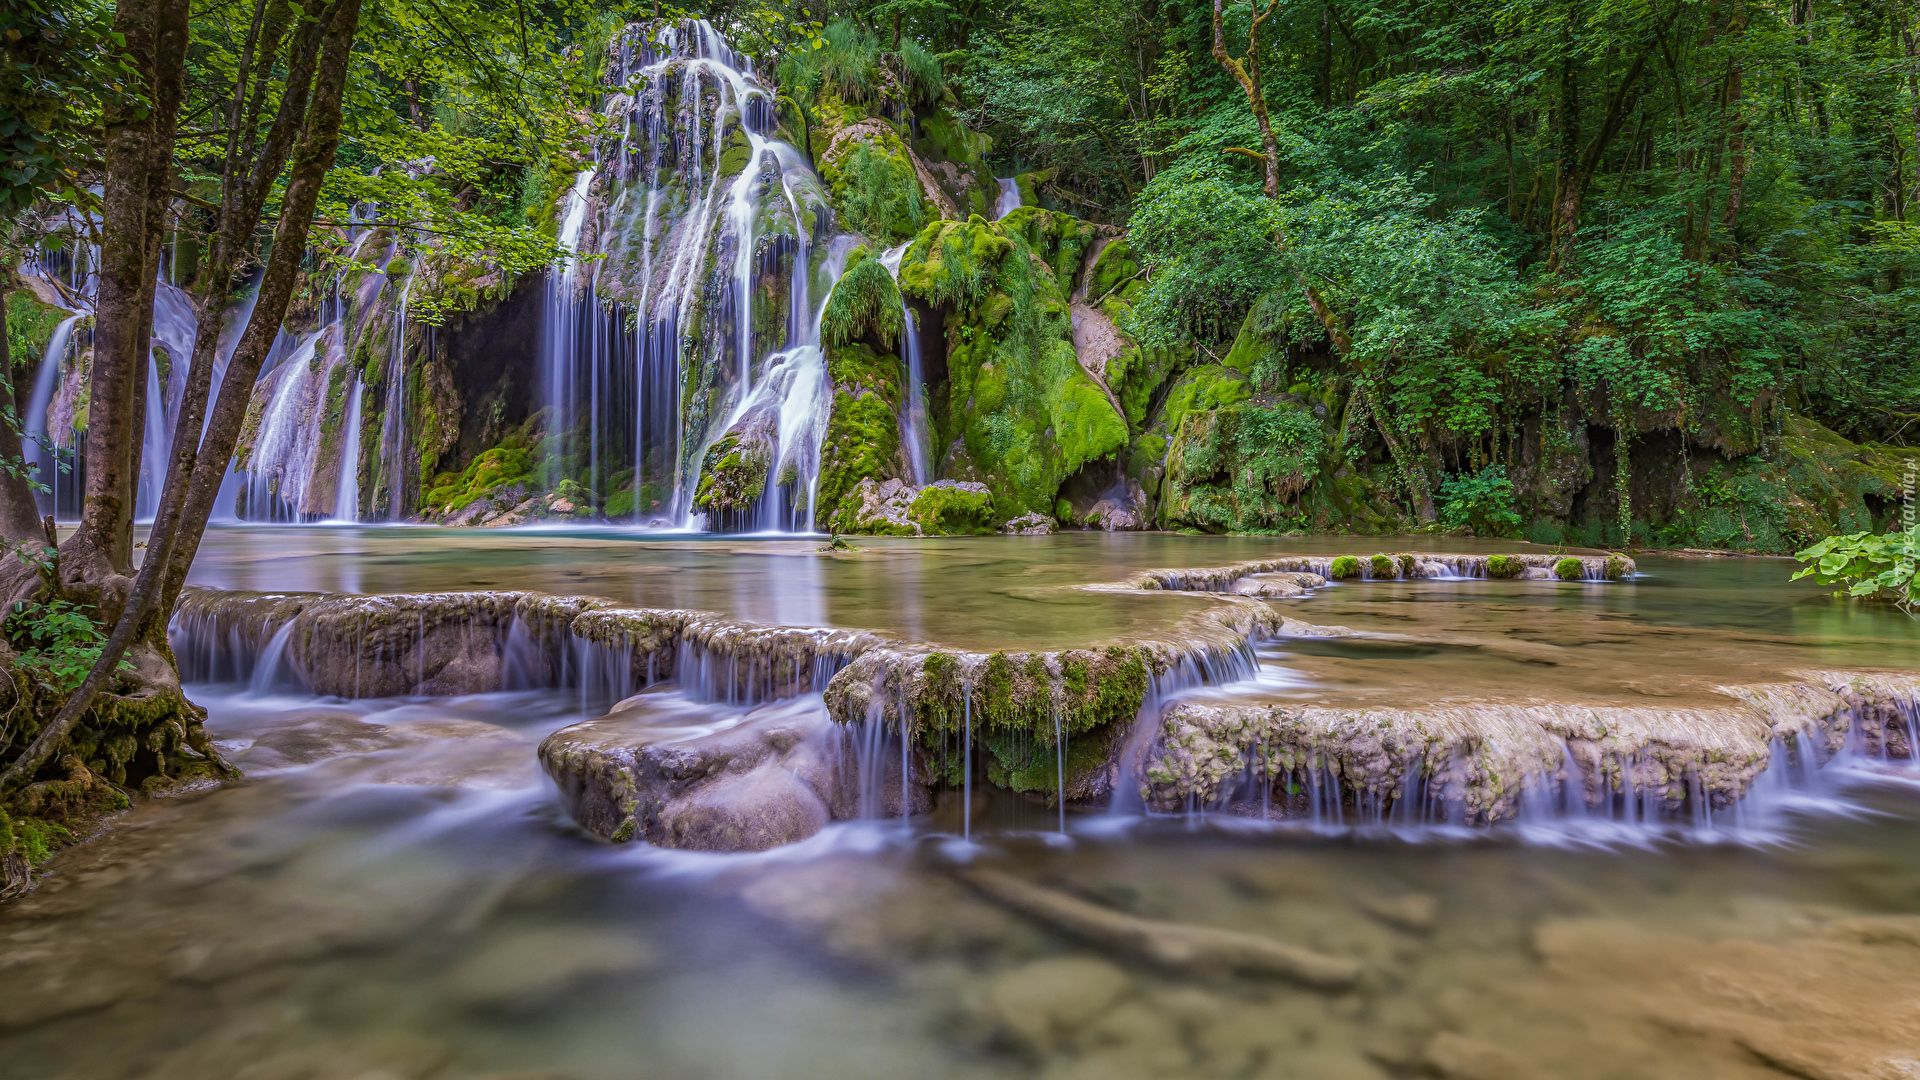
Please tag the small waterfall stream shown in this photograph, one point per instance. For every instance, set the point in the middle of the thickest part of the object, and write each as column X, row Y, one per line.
column 1009, row 197
column 916, row 426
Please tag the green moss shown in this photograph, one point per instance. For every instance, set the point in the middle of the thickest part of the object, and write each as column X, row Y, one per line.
column 1384, row 566
column 620, row 505
column 34, row 838
column 738, row 152
column 1504, row 566
column 863, row 430
column 1244, row 466
column 1024, row 416
column 734, row 473
column 874, row 186
column 502, row 466
column 30, row 327
column 1569, row 569
column 1344, row 568
column 1112, row 272
column 942, row 510
column 864, row 304
column 1616, row 567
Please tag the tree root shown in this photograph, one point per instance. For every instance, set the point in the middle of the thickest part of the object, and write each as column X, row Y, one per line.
column 1172, row 945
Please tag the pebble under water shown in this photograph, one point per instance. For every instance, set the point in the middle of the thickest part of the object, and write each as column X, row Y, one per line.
column 394, row 890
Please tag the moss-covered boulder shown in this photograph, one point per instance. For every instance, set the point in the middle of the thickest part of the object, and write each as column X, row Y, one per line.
column 862, row 444
column 864, row 305
column 875, row 189
column 1020, row 415
column 733, row 474
column 952, row 507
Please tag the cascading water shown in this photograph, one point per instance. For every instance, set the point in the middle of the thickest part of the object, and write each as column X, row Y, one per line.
column 1009, row 197
column 696, row 318
column 54, row 404
column 346, row 503
column 393, row 431
column 45, row 452
column 916, row 427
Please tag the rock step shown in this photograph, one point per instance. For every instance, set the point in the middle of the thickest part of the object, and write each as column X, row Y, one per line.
column 1486, row 762
column 1385, row 566
column 477, row 642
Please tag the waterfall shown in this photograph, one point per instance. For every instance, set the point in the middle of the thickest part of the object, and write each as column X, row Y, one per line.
column 43, row 449
column 916, row 428
column 1009, row 197
column 393, row 431
column 346, row 501
column 695, row 316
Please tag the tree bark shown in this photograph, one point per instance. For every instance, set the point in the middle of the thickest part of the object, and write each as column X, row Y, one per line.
column 19, row 515
column 311, row 160
column 139, row 145
column 1247, row 74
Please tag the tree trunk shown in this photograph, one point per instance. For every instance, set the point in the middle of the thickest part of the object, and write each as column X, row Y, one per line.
column 138, row 142
column 19, row 516
column 1247, row 75
column 311, row 160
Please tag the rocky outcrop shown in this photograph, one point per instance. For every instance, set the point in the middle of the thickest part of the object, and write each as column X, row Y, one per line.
column 734, row 473
column 1484, row 762
column 897, row 508
column 1051, row 722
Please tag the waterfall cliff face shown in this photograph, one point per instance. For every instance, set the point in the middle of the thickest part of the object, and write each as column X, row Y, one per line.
column 668, row 371
column 689, row 318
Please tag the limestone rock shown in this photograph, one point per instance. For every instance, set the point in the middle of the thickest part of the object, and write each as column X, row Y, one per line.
column 1029, row 524
column 882, row 506
column 773, row 778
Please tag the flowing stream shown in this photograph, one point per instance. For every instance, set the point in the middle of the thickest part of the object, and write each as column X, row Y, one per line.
column 397, row 889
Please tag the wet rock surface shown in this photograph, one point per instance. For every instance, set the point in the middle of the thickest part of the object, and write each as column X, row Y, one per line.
column 775, row 775
column 1483, row 762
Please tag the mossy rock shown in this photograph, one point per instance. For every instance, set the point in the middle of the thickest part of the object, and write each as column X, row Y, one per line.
column 951, row 507
column 1570, row 569
column 1384, row 566
column 1505, row 566
column 864, row 304
column 1344, row 568
column 872, row 183
column 733, row 474
column 863, row 431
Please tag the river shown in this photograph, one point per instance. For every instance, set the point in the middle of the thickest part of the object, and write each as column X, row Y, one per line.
column 396, row 888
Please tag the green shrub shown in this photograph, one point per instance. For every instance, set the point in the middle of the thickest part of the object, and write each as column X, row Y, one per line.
column 57, row 641
column 1345, row 567
column 1570, row 569
column 863, row 303
column 921, row 74
column 1868, row 566
column 1481, row 501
